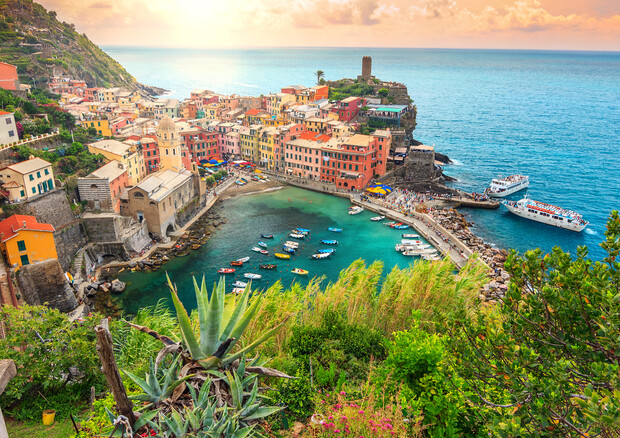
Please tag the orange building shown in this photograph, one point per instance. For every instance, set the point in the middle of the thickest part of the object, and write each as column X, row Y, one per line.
column 8, row 77
column 321, row 92
column 23, row 241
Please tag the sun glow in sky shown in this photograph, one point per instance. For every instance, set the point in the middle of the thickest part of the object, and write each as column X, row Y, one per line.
column 510, row 24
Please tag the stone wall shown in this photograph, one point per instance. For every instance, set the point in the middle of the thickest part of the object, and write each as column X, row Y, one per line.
column 45, row 283
column 95, row 191
column 69, row 239
column 108, row 227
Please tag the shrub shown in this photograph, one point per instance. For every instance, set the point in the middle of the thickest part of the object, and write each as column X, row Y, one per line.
column 56, row 359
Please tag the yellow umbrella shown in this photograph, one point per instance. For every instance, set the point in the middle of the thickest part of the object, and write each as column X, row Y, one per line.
column 258, row 171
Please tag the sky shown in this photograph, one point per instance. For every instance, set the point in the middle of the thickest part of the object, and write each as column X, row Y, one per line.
column 502, row 24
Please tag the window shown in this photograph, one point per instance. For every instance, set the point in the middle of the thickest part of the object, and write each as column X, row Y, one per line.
column 21, row 245
column 34, row 190
column 11, row 133
column 8, row 121
column 47, row 172
column 22, row 193
column 39, row 174
column 24, row 260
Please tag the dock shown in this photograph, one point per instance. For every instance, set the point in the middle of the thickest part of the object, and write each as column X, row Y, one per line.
column 469, row 203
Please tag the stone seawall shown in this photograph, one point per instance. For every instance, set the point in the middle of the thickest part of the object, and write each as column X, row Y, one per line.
column 45, row 283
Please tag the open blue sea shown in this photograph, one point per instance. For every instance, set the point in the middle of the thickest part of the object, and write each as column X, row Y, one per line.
column 554, row 116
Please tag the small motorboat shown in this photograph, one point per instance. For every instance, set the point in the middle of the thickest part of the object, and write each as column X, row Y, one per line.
column 288, row 249
column 322, row 255
column 266, row 236
column 292, row 244
column 264, row 252
column 430, row 257
column 239, row 284
column 411, row 242
column 377, row 218
column 355, row 210
column 270, row 267
column 238, row 290
column 226, row 271
column 410, row 236
column 262, row 244
column 243, row 259
column 401, row 227
column 253, row 276
column 334, row 230
column 236, row 263
column 303, row 230
column 329, row 242
column 257, row 249
column 299, row 271
column 326, row 251
column 282, row 256
column 297, row 235
column 390, row 224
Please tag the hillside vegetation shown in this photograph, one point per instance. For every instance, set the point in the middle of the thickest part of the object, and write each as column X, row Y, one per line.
column 39, row 45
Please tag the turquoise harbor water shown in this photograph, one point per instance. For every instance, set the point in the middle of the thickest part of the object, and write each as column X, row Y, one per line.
column 276, row 213
column 554, row 116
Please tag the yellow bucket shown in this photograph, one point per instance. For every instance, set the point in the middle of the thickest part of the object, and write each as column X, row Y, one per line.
column 48, row 417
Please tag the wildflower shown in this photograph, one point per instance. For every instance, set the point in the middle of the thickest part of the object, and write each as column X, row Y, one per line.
column 336, row 430
column 343, row 393
column 374, row 429
column 323, row 401
column 361, row 412
column 344, row 418
column 331, row 417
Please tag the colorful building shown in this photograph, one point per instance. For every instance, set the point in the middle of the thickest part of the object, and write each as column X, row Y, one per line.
column 150, row 152
column 103, row 188
column 130, row 155
column 303, row 157
column 8, row 77
column 8, row 129
column 22, row 181
column 348, row 108
column 102, row 126
column 24, row 241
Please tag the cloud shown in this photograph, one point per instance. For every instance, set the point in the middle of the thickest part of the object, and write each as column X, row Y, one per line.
column 101, row 5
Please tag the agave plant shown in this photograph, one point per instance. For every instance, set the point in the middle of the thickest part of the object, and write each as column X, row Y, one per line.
column 156, row 389
column 221, row 325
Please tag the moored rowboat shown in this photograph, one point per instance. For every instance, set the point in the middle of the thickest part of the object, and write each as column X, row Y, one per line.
column 299, row 271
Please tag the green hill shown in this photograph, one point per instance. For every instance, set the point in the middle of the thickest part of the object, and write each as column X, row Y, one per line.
column 40, row 46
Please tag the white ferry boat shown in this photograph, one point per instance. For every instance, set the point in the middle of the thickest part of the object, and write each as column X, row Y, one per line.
column 546, row 213
column 501, row 187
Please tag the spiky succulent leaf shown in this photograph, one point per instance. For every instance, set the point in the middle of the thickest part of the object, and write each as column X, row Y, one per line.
column 263, row 412
column 202, row 300
column 187, row 334
column 264, row 337
column 144, row 386
column 145, row 418
column 237, row 314
column 211, row 330
column 244, row 321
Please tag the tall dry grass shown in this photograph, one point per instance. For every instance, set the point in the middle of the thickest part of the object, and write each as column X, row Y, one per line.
column 422, row 291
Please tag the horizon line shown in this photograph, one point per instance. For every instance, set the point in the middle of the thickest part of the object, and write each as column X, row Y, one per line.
column 141, row 46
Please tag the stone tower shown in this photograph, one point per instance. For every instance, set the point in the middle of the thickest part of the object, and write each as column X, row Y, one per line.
column 366, row 67
column 169, row 143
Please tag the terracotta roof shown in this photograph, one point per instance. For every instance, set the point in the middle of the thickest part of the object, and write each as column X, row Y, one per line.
column 4, row 113
column 11, row 226
column 253, row 112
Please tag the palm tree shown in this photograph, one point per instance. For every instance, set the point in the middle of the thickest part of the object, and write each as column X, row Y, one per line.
column 319, row 75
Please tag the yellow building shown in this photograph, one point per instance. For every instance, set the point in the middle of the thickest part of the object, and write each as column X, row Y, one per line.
column 129, row 155
column 23, row 241
column 101, row 125
column 29, row 178
column 266, row 143
column 213, row 111
column 248, row 142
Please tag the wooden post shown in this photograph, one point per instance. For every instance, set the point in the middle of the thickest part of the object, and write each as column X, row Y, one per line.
column 105, row 348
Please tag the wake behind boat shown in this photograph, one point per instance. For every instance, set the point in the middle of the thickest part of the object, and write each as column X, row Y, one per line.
column 546, row 214
column 501, row 187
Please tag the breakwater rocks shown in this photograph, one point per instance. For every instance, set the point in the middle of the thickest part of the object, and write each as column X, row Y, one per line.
column 495, row 258
column 193, row 239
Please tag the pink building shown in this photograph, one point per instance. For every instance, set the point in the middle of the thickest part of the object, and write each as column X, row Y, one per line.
column 8, row 77
column 303, row 156
column 348, row 108
column 230, row 143
column 286, row 134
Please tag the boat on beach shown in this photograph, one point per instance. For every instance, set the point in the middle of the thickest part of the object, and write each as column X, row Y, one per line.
column 268, row 267
column 329, row 242
column 299, row 271
column 501, row 187
column 355, row 210
column 252, row 276
column 334, row 230
column 226, row 271
column 282, row 256
column 546, row 214
column 377, row 218
column 243, row 259
column 266, row 236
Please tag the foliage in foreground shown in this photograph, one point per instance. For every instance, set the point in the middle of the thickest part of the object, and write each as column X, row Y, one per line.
column 56, row 361
column 547, row 359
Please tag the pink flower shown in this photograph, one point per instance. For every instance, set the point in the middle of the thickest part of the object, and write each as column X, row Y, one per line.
column 336, row 430
column 343, row 418
column 360, row 412
column 374, row 429
column 343, row 393
column 323, row 401
column 331, row 417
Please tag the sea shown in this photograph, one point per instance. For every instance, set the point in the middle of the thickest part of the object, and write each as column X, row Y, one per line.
column 551, row 115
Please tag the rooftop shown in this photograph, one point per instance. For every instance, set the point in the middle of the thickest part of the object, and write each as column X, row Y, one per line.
column 109, row 171
column 112, row 146
column 160, row 184
column 29, row 166
column 11, row 226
